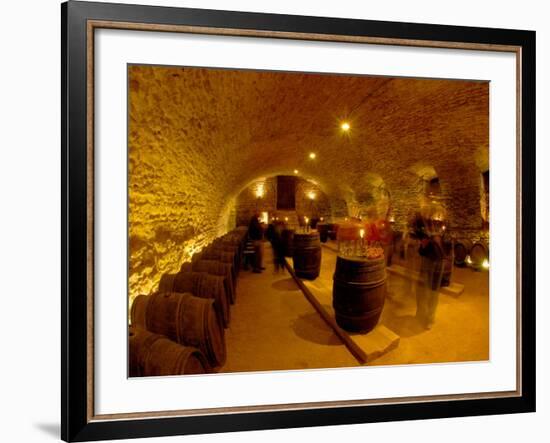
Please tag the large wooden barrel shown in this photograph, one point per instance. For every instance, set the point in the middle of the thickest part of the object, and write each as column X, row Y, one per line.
column 225, row 252
column 180, row 282
column 478, row 254
column 306, row 255
column 213, row 286
column 462, row 249
column 203, row 285
column 155, row 355
column 183, row 318
column 215, row 267
column 323, row 229
column 359, row 292
column 288, row 240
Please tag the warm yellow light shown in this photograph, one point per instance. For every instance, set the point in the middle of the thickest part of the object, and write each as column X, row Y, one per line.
column 311, row 195
column 260, row 190
column 361, row 233
column 312, row 155
column 345, row 126
column 296, row 171
column 485, row 264
column 468, row 260
column 322, row 218
column 286, row 218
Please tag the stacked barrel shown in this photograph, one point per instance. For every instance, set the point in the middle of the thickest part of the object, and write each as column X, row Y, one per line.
column 180, row 328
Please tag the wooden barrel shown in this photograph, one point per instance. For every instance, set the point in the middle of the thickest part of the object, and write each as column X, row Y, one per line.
column 359, row 292
column 215, row 267
column 213, row 286
column 183, row 318
column 478, row 254
column 288, row 239
column 220, row 253
column 180, row 282
column 155, row 355
column 306, row 255
column 462, row 249
column 203, row 285
column 323, row 229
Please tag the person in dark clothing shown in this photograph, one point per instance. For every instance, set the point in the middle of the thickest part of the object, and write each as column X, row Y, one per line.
column 278, row 249
column 255, row 233
column 431, row 272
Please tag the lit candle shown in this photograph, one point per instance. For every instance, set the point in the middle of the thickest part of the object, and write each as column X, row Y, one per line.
column 362, row 235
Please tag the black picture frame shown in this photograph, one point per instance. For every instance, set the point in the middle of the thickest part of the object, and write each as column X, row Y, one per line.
column 76, row 422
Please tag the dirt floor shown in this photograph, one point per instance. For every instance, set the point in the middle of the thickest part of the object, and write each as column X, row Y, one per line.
column 274, row 327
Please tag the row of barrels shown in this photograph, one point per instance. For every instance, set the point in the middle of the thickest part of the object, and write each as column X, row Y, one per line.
column 478, row 253
column 460, row 252
column 190, row 310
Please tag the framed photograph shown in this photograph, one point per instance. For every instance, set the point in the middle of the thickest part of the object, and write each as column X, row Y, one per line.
column 275, row 221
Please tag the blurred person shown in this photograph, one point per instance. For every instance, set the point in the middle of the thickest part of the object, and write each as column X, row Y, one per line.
column 431, row 269
column 278, row 248
column 255, row 233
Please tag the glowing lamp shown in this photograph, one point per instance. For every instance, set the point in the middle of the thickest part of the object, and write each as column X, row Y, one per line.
column 345, row 126
column 296, row 171
column 361, row 233
column 468, row 260
column 311, row 195
column 260, row 191
column 485, row 264
column 312, row 155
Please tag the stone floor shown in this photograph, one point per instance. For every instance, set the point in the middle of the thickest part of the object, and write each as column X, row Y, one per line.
column 461, row 329
column 274, row 327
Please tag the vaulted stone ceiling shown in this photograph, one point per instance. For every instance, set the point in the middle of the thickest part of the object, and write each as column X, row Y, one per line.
column 197, row 137
column 250, row 123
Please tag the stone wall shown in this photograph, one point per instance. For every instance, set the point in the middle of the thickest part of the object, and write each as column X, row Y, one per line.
column 198, row 137
column 248, row 203
column 317, row 207
column 260, row 196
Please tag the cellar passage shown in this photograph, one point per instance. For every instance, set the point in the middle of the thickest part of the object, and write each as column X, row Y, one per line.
column 326, row 181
